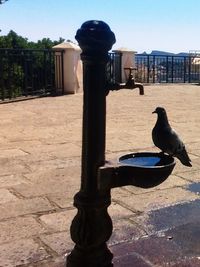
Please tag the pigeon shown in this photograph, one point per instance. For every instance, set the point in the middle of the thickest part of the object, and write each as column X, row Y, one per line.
column 165, row 138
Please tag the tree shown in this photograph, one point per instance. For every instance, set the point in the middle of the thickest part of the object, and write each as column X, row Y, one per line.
column 2, row 1
column 13, row 40
column 47, row 43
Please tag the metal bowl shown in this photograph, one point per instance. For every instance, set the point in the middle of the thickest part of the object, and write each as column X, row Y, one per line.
column 145, row 169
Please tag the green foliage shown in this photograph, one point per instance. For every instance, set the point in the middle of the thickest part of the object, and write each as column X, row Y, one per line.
column 13, row 40
column 22, row 66
column 19, row 68
column 15, row 88
column 46, row 43
column 12, row 76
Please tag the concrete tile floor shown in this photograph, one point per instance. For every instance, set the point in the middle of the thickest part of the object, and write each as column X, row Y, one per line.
column 40, row 152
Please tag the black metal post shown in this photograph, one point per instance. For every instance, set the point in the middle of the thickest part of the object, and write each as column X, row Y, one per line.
column 189, row 69
column 184, row 69
column 154, row 68
column 92, row 226
column 172, row 69
column 148, row 68
column 167, row 70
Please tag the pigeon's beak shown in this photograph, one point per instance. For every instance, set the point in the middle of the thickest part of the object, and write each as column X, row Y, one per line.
column 154, row 111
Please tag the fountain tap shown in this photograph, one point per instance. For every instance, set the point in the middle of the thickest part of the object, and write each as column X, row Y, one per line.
column 130, row 84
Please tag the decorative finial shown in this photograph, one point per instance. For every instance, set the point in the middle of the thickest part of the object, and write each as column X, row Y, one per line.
column 95, row 36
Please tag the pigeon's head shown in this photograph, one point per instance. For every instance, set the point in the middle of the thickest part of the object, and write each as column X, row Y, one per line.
column 159, row 111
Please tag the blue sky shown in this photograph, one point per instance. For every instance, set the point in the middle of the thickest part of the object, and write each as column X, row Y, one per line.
column 141, row 25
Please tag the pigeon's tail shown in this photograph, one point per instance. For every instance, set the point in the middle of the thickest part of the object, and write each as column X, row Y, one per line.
column 184, row 158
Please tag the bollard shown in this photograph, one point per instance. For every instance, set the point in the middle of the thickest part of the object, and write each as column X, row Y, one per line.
column 92, row 226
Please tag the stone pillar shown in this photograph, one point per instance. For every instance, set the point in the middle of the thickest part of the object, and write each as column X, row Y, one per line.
column 127, row 61
column 72, row 67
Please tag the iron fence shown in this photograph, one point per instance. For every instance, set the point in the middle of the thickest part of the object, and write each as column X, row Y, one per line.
column 28, row 72
column 114, row 67
column 167, row 69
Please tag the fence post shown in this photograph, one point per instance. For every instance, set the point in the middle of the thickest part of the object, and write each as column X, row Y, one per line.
column 127, row 61
column 148, row 69
column 184, row 69
column 172, row 80
column 189, row 69
column 72, row 67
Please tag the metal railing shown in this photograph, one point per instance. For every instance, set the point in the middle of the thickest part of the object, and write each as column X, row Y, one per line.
column 114, row 67
column 167, row 68
column 29, row 72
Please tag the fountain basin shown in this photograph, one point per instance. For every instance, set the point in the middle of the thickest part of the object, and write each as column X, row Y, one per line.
column 145, row 170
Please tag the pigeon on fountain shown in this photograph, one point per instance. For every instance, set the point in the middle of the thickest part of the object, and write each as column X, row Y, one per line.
column 165, row 138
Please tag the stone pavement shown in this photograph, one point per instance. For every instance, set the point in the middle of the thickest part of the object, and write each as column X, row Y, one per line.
column 40, row 149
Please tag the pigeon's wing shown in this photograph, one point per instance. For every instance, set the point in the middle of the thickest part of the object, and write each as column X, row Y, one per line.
column 168, row 141
column 173, row 143
column 175, row 147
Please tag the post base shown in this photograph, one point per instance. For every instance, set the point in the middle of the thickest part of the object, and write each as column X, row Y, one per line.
column 98, row 258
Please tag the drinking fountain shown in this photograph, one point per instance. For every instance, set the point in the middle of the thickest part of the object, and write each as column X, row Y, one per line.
column 91, row 228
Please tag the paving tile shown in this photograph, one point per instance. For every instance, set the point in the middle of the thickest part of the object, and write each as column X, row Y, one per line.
column 195, row 147
column 170, row 217
column 187, row 236
column 57, row 262
column 45, row 188
column 63, row 200
column 59, row 221
column 12, row 180
column 61, row 242
column 6, row 196
column 11, row 153
column 124, row 230
column 117, row 212
column 130, row 260
column 153, row 200
column 70, row 173
column 63, row 180
column 159, row 251
column 188, row 262
column 14, row 166
column 50, row 164
column 21, row 252
column 193, row 187
column 56, row 150
column 19, row 228
column 24, row 206
column 117, row 144
column 192, row 176
column 181, row 168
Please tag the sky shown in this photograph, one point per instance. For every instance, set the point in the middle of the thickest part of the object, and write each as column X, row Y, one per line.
column 139, row 25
